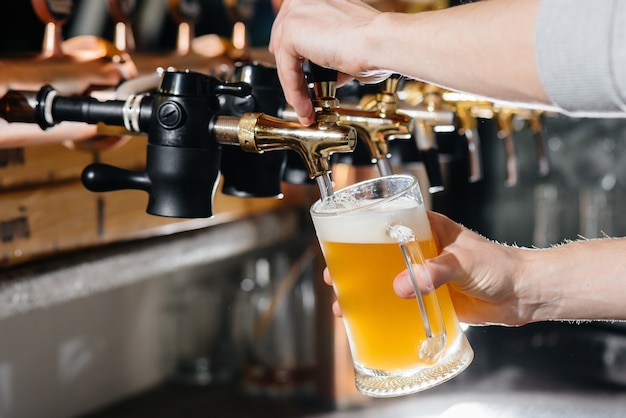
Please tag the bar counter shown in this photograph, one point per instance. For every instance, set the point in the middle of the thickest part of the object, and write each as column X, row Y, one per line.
column 499, row 383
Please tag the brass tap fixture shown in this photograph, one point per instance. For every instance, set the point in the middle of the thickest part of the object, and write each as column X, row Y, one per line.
column 258, row 133
column 379, row 122
column 508, row 119
column 376, row 122
column 429, row 114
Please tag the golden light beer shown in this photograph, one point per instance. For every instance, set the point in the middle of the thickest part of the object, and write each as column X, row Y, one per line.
column 386, row 333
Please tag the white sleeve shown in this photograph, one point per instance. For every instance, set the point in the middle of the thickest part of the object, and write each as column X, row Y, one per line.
column 581, row 55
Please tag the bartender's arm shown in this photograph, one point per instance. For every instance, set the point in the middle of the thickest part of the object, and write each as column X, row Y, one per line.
column 562, row 54
column 496, row 283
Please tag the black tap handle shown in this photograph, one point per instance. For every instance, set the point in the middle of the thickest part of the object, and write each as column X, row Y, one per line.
column 107, row 178
column 324, row 82
column 180, row 181
column 318, row 73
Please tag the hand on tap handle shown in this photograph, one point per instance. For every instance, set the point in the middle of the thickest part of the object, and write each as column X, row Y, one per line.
column 319, row 74
column 324, row 88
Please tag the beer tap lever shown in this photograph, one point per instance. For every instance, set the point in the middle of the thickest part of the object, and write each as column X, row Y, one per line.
column 429, row 115
column 540, row 143
column 469, row 128
column 504, row 119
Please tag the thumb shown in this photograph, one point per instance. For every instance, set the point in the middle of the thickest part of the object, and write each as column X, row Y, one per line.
column 404, row 287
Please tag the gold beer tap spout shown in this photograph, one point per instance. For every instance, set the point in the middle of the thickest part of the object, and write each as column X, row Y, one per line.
column 429, row 114
column 258, row 133
column 468, row 109
column 378, row 122
column 511, row 118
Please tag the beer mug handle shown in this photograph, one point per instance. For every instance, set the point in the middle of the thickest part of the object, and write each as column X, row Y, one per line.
column 425, row 293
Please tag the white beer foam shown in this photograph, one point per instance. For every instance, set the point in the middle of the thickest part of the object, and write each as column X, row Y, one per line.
column 369, row 226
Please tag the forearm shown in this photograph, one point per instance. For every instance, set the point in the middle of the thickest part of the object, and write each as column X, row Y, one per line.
column 485, row 48
column 582, row 280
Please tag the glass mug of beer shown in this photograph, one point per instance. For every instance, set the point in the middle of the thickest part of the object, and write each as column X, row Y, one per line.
column 369, row 232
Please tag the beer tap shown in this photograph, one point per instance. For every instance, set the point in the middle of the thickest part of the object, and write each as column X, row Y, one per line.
column 504, row 119
column 257, row 132
column 54, row 16
column 74, row 65
column 206, row 53
column 375, row 125
column 240, row 51
column 185, row 137
column 465, row 108
column 507, row 117
column 428, row 116
column 239, row 168
column 534, row 121
column 384, row 123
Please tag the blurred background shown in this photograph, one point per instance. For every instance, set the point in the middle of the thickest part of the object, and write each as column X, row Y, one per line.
column 107, row 311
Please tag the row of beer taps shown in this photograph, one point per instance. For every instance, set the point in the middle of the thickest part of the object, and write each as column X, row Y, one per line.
column 205, row 114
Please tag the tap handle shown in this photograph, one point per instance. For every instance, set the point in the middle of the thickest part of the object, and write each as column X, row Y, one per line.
column 266, row 98
column 180, row 182
column 320, row 74
column 504, row 120
column 542, row 149
column 18, row 106
column 324, row 81
column 50, row 109
column 427, row 146
column 106, row 178
column 238, row 89
column 475, row 161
